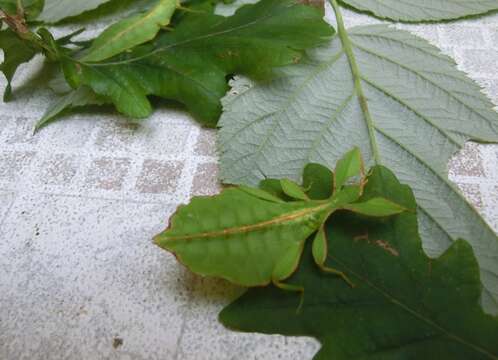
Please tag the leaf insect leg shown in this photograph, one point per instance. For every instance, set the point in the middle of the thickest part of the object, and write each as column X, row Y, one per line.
column 291, row 287
column 320, row 249
column 285, row 267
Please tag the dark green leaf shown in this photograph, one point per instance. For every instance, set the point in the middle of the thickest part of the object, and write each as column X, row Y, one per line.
column 403, row 306
column 191, row 63
column 16, row 52
column 318, row 181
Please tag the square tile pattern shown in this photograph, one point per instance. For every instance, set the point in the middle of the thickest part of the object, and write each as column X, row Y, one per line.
column 80, row 201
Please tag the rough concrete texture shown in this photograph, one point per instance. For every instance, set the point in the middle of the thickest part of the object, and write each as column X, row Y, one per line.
column 80, row 201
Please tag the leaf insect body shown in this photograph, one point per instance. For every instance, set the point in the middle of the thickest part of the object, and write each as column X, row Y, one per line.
column 253, row 237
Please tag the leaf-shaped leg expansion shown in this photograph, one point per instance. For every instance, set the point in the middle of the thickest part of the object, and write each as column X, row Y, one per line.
column 286, row 266
column 320, row 251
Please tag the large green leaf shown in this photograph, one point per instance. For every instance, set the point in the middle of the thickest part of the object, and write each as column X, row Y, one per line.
column 131, row 32
column 56, row 10
column 403, row 306
column 430, row 10
column 16, row 52
column 191, row 63
column 393, row 95
column 251, row 237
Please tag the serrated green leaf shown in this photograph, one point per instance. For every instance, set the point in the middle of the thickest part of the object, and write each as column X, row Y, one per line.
column 131, row 32
column 56, row 10
column 191, row 63
column 75, row 98
column 405, row 105
column 252, row 238
column 16, row 52
column 421, row 11
column 122, row 88
column 403, row 305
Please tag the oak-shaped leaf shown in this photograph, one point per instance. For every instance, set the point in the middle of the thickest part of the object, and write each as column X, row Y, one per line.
column 404, row 305
column 190, row 64
column 251, row 237
column 390, row 93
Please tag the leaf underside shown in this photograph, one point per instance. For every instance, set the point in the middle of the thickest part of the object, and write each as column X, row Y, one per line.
column 403, row 306
column 422, row 111
column 422, row 11
column 190, row 64
column 56, row 10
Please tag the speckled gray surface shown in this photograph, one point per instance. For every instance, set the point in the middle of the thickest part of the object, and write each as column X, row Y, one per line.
column 80, row 201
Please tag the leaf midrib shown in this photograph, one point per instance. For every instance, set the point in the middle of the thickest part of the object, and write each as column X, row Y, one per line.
column 355, row 71
column 277, row 221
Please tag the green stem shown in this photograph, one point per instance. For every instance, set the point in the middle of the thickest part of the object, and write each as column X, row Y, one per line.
column 20, row 8
column 348, row 49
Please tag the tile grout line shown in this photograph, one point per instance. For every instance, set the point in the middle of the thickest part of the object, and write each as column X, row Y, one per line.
column 15, row 196
column 185, row 185
column 186, row 180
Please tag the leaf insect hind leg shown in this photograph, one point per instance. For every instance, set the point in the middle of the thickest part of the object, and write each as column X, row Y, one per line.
column 320, row 249
column 291, row 287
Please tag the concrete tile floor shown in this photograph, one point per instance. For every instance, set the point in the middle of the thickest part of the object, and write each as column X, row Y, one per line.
column 80, row 201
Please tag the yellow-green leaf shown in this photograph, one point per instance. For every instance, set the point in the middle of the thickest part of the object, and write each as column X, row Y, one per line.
column 131, row 32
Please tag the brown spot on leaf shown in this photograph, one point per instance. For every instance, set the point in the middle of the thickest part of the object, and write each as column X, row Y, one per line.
column 386, row 246
column 316, row 3
column 296, row 59
column 363, row 237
